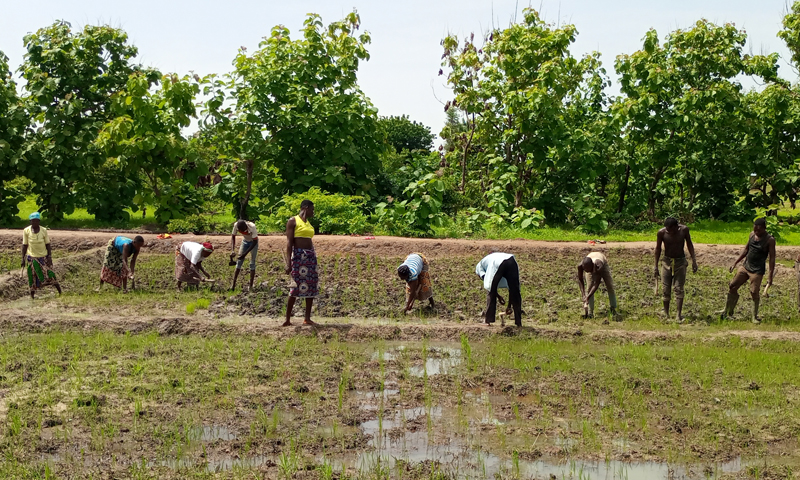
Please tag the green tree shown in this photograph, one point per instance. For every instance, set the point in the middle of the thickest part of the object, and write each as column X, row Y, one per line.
column 683, row 110
column 404, row 134
column 143, row 140
column 14, row 123
column 71, row 78
column 295, row 106
column 522, row 87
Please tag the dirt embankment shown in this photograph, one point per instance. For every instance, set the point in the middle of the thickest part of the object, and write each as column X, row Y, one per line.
column 16, row 320
column 77, row 241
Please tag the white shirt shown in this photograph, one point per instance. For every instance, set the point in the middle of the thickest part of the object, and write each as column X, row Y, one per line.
column 251, row 233
column 193, row 251
column 487, row 268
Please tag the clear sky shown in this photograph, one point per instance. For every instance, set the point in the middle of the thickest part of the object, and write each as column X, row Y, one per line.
column 401, row 76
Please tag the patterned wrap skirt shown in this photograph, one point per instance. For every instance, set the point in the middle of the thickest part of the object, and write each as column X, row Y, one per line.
column 40, row 272
column 304, row 273
column 185, row 271
column 425, row 285
column 114, row 270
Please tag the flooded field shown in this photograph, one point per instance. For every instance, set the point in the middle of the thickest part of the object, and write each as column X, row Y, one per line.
column 103, row 405
column 204, row 384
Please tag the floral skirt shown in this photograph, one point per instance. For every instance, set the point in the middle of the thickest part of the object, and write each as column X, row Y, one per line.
column 304, row 273
column 114, row 270
column 185, row 271
column 40, row 272
column 425, row 285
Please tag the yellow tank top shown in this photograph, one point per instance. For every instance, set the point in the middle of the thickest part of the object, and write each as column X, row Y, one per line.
column 303, row 229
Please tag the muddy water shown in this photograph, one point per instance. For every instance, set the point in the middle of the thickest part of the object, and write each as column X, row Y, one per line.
column 460, row 440
column 429, row 434
column 451, row 437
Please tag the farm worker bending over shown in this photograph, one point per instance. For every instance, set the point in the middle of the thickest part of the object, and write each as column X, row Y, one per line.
column 414, row 271
column 301, row 261
column 500, row 270
column 674, row 264
column 759, row 246
column 115, row 263
column 38, row 256
column 249, row 245
column 189, row 263
column 596, row 266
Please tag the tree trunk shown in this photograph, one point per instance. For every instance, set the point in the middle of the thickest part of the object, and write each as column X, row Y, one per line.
column 464, row 157
column 624, row 189
column 246, row 200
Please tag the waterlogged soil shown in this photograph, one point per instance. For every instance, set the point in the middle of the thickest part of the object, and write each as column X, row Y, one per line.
column 107, row 405
column 205, row 384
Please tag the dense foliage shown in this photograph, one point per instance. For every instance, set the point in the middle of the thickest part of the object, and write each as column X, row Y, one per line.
column 532, row 135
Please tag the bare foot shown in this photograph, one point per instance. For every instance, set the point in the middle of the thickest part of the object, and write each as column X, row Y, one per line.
column 309, row 322
column 287, row 323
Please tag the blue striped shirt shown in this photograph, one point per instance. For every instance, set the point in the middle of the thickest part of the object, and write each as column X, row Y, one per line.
column 414, row 263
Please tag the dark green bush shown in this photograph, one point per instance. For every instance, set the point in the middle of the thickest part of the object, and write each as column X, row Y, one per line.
column 335, row 214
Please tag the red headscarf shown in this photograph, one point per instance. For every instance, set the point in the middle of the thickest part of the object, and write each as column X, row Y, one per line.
column 208, row 247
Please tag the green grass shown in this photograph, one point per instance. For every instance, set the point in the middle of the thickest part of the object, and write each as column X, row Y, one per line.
column 81, row 219
column 704, row 231
column 74, row 399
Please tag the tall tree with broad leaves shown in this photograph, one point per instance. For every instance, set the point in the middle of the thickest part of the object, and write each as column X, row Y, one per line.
column 71, row 79
column 14, row 124
column 149, row 161
column 295, row 106
column 684, row 108
column 404, row 134
column 523, row 88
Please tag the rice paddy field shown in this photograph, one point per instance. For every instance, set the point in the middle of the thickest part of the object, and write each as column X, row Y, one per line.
column 205, row 384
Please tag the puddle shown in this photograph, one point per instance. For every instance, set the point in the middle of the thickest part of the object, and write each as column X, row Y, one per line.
column 440, row 361
column 211, row 433
column 430, row 435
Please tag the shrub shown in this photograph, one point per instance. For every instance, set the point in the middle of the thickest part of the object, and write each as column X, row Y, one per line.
column 334, row 214
column 196, row 224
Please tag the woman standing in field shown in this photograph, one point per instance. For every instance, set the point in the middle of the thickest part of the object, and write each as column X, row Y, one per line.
column 301, row 261
column 414, row 271
column 115, row 269
column 37, row 255
column 189, row 263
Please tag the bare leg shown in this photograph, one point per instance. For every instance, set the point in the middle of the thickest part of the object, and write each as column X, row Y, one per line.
column 33, row 292
column 289, row 308
column 179, row 286
column 309, row 304
column 252, row 278
column 124, row 285
column 58, row 287
column 101, row 286
column 433, row 305
column 235, row 277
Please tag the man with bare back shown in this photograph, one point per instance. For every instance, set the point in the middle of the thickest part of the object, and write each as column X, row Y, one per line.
column 673, row 266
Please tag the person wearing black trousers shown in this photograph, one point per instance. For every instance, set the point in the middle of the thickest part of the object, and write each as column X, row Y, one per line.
column 500, row 270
